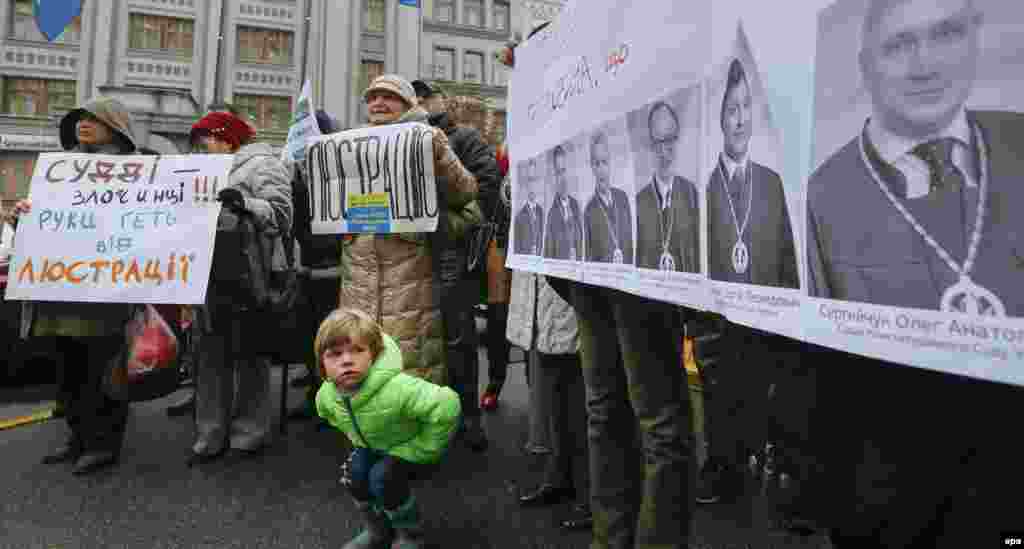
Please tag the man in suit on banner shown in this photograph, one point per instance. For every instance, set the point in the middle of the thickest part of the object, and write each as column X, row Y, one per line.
column 666, row 208
column 563, row 238
column 919, row 208
column 750, row 239
column 529, row 229
column 608, row 219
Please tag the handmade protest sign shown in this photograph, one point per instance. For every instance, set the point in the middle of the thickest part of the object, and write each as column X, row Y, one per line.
column 118, row 229
column 373, row 180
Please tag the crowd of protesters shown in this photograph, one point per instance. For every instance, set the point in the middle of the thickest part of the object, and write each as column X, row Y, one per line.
column 395, row 367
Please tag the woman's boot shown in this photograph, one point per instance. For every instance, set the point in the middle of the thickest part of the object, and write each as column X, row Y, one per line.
column 377, row 534
column 407, row 524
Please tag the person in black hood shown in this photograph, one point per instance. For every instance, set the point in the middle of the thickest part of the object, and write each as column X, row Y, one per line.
column 478, row 157
column 320, row 259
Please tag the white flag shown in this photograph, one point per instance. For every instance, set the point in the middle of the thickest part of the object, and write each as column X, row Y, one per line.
column 304, row 126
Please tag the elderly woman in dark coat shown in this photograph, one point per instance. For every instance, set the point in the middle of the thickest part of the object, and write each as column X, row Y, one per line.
column 88, row 334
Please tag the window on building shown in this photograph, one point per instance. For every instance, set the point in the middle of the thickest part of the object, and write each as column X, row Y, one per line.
column 368, row 71
column 157, row 32
column 373, row 15
column 473, row 67
column 265, row 46
column 267, row 112
column 444, row 63
column 15, row 175
column 499, row 74
column 32, row 96
column 23, row 25
column 502, row 15
column 473, row 12
column 444, row 11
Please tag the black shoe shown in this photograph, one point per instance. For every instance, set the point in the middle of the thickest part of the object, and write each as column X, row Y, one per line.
column 717, row 482
column 582, row 518
column 200, row 459
column 709, row 484
column 94, row 461
column 64, row 454
column 583, row 522
column 238, row 455
column 186, row 406
column 547, row 495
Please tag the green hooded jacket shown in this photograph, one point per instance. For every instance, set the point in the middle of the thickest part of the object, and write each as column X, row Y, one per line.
column 399, row 414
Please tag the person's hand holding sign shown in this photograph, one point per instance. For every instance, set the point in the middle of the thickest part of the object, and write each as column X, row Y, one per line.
column 23, row 207
column 232, row 199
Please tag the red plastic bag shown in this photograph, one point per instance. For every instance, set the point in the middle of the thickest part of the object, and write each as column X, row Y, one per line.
column 154, row 347
column 147, row 366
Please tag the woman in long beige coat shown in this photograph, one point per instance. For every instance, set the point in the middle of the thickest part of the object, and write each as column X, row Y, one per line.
column 391, row 276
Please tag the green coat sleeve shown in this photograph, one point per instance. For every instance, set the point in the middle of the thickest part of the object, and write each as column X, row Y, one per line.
column 437, row 410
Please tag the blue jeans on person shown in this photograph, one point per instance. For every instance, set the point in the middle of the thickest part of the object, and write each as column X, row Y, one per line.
column 380, row 478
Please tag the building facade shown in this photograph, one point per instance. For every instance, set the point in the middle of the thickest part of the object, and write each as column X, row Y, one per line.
column 169, row 61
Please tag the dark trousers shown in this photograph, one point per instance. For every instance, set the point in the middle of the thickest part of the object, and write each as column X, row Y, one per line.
column 380, row 478
column 740, row 414
column 918, row 458
column 462, row 351
column 631, row 351
column 323, row 298
column 561, row 377
column 459, row 294
column 498, row 346
column 97, row 422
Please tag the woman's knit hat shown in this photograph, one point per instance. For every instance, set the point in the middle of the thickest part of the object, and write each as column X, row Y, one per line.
column 394, row 84
column 224, row 126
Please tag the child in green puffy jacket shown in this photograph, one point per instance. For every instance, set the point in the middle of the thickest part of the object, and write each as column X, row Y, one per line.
column 395, row 421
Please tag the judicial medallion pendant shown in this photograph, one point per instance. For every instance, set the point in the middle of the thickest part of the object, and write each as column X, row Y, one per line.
column 667, row 262
column 740, row 257
column 967, row 297
column 740, row 253
column 617, row 256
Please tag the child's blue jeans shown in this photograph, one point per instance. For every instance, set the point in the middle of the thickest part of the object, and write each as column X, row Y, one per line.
column 379, row 477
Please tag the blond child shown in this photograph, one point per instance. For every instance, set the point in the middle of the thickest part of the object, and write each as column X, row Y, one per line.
column 395, row 422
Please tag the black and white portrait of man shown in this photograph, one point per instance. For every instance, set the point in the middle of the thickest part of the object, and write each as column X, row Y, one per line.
column 750, row 237
column 919, row 208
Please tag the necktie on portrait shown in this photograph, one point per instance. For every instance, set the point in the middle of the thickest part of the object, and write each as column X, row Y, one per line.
column 736, row 192
column 938, row 155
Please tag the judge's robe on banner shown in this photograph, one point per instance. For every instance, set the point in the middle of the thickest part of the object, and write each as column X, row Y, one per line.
column 750, row 234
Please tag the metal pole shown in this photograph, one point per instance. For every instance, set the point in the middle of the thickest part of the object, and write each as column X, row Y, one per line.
column 218, row 99
column 305, row 48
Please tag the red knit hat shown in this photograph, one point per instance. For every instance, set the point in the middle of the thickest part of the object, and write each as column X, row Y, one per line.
column 224, row 126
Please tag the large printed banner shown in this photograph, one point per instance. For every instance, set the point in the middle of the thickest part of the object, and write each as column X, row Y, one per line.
column 373, row 180
column 118, row 229
column 850, row 181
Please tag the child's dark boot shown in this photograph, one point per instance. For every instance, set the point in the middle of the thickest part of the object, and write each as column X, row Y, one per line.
column 408, row 525
column 377, row 534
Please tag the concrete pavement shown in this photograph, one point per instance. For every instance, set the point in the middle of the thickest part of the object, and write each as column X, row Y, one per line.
column 289, row 497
